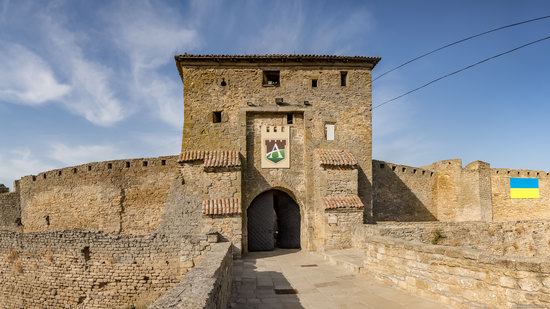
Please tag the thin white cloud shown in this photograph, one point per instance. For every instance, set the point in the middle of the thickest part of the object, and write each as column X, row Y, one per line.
column 25, row 78
column 17, row 163
column 80, row 154
column 92, row 95
column 150, row 35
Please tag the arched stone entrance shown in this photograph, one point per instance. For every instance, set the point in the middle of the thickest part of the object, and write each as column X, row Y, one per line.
column 273, row 222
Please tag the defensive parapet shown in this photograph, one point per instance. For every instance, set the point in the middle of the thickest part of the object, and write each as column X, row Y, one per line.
column 122, row 196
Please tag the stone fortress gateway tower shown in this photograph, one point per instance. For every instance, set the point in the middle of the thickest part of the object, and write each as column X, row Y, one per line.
column 301, row 128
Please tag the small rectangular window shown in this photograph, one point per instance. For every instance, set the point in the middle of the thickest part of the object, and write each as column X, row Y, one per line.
column 343, row 78
column 329, row 131
column 217, row 117
column 314, row 83
column 271, row 78
column 289, row 118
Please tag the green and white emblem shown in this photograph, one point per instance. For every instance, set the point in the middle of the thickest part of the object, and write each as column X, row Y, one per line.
column 275, row 146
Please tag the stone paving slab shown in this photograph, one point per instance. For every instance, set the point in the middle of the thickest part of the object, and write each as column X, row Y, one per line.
column 298, row 279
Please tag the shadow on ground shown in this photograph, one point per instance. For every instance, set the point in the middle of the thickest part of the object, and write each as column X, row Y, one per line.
column 256, row 287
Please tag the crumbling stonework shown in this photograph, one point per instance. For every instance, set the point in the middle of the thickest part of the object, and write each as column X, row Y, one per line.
column 91, row 270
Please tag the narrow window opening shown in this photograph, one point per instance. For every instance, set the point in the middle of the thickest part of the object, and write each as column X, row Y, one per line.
column 59, row 173
column 145, row 163
column 223, row 83
column 403, row 170
column 393, row 168
column 217, row 117
column 289, row 118
column 44, row 176
column 33, row 178
column 89, row 167
column 74, row 170
column 343, row 78
column 414, row 171
column 423, row 172
column 314, row 83
column 47, row 220
column 271, row 78
column 163, row 162
column 109, row 165
column 330, row 131
column 127, row 164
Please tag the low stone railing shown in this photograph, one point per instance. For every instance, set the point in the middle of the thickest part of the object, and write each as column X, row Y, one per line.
column 461, row 277
column 207, row 285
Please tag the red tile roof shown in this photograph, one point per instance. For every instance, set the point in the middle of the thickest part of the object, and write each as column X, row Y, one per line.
column 343, row 201
column 212, row 158
column 336, row 157
column 221, row 206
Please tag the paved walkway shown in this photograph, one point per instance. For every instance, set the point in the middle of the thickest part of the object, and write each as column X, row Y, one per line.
column 298, row 279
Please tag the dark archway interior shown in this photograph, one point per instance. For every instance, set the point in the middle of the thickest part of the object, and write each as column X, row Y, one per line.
column 273, row 222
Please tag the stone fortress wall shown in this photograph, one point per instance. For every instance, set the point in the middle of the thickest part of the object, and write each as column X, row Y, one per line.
column 122, row 196
column 446, row 191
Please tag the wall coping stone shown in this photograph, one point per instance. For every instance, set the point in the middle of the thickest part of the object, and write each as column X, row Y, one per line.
column 198, row 286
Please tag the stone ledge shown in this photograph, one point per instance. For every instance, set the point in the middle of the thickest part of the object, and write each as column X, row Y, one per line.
column 208, row 285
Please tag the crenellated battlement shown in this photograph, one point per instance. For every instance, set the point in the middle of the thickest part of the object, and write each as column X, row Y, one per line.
column 520, row 172
column 125, row 166
column 402, row 169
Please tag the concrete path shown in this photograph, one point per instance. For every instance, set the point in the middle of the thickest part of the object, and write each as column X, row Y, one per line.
column 298, row 279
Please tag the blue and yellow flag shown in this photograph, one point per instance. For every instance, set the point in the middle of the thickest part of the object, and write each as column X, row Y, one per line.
column 524, row 188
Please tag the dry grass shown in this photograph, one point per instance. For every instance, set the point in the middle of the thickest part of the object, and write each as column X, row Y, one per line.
column 520, row 230
column 12, row 256
column 49, row 257
column 18, row 267
column 437, row 235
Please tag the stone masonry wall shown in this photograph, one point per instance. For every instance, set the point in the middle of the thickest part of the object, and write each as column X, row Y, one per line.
column 183, row 214
column 403, row 193
column 442, row 191
column 339, row 235
column 91, row 269
column 333, row 228
column 516, row 238
column 207, row 286
column 463, row 278
column 124, row 196
column 10, row 210
column 507, row 209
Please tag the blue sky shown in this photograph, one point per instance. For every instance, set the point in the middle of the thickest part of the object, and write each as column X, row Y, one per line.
column 85, row 81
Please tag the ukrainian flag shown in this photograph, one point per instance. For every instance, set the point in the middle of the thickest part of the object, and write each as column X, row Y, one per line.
column 524, row 188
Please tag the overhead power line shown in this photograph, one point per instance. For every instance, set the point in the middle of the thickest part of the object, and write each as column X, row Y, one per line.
column 460, row 41
column 460, row 70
